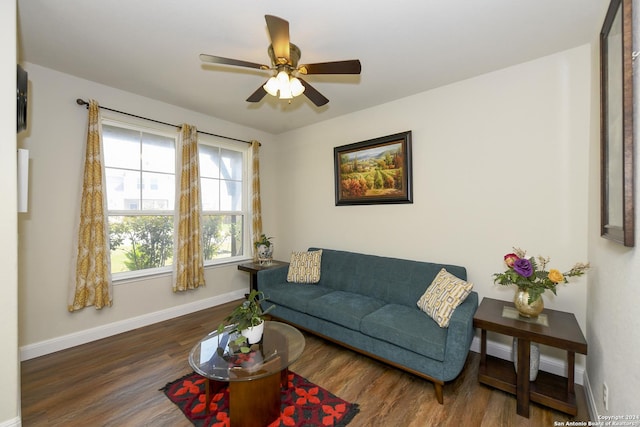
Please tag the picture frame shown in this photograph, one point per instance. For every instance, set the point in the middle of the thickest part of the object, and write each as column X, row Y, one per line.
column 616, row 125
column 376, row 171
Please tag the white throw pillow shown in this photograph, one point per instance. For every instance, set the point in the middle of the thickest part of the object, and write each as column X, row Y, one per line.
column 444, row 294
column 304, row 267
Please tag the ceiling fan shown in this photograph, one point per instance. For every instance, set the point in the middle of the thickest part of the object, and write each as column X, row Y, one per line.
column 285, row 81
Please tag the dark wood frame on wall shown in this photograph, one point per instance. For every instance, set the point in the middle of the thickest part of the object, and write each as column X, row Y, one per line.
column 358, row 168
column 616, row 125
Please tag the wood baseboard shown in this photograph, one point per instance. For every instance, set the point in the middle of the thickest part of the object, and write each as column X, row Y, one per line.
column 64, row 342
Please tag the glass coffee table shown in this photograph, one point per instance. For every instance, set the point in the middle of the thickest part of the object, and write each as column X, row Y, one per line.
column 254, row 378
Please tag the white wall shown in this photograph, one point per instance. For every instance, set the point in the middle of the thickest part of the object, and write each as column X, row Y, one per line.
column 500, row 160
column 614, row 295
column 9, row 363
column 56, row 140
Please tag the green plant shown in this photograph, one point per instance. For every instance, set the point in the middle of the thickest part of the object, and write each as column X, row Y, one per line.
column 245, row 315
column 264, row 240
column 531, row 276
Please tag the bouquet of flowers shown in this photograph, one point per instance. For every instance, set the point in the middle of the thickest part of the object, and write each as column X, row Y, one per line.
column 530, row 274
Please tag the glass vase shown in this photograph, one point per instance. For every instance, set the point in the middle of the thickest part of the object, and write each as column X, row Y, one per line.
column 521, row 301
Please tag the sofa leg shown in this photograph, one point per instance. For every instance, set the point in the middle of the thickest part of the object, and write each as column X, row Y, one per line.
column 439, row 395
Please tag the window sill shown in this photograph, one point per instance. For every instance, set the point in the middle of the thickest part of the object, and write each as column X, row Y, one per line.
column 168, row 272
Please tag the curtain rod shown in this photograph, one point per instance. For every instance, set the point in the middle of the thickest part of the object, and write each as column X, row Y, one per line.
column 80, row 101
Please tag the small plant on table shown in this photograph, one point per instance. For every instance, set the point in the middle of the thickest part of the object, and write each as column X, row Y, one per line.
column 243, row 318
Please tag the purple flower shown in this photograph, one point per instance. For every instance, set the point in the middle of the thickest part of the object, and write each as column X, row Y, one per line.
column 523, row 267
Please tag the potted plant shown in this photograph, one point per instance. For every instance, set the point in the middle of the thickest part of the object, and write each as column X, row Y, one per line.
column 247, row 321
column 264, row 249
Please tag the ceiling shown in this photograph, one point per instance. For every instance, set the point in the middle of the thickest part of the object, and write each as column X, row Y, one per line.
column 151, row 48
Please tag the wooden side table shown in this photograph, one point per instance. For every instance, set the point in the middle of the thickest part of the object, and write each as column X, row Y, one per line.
column 554, row 328
column 253, row 267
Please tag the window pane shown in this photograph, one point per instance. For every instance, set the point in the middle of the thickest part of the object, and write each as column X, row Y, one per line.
column 123, row 186
column 209, row 161
column 121, row 147
column 140, row 242
column 227, row 165
column 231, row 196
column 231, row 165
column 222, row 236
column 158, row 153
column 210, row 192
column 158, row 191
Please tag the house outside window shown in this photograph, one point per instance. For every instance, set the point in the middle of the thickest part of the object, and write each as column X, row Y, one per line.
column 140, row 169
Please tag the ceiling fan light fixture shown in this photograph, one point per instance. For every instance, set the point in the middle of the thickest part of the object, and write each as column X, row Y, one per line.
column 284, row 86
column 284, row 67
column 271, row 86
column 283, row 79
column 285, row 92
column 296, row 87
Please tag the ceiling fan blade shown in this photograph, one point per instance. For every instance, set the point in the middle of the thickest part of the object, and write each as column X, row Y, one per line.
column 228, row 61
column 257, row 95
column 311, row 93
column 279, row 34
column 352, row 66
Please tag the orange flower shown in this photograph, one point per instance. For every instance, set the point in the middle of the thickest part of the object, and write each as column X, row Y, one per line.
column 555, row 276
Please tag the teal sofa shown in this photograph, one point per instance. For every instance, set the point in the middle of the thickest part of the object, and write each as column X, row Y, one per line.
column 368, row 303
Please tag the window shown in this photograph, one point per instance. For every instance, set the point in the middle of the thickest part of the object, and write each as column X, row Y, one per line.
column 140, row 169
column 223, row 188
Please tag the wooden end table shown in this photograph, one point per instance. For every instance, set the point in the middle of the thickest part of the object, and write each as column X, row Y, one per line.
column 254, row 267
column 548, row 389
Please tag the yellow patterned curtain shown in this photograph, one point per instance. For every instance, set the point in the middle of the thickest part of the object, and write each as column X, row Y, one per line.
column 91, row 284
column 256, row 207
column 188, row 260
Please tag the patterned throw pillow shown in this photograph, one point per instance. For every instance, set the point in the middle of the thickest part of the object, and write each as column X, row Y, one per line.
column 444, row 294
column 304, row 267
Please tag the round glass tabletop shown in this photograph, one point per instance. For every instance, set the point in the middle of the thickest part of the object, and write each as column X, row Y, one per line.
column 213, row 358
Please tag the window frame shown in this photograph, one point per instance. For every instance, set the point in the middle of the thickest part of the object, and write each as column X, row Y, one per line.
column 245, row 212
column 203, row 139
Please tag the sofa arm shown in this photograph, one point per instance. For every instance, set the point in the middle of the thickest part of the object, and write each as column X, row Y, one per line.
column 272, row 276
column 459, row 336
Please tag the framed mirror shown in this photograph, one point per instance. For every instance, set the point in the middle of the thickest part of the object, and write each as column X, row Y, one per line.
column 616, row 125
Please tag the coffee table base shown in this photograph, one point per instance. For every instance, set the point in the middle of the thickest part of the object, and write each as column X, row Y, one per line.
column 254, row 403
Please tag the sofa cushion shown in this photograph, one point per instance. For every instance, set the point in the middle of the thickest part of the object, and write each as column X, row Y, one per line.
column 344, row 308
column 444, row 294
column 304, row 267
column 406, row 327
column 294, row 296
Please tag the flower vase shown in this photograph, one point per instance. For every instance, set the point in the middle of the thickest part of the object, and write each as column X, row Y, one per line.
column 264, row 254
column 534, row 358
column 521, row 301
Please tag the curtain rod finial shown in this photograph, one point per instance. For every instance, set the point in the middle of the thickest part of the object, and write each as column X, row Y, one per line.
column 80, row 101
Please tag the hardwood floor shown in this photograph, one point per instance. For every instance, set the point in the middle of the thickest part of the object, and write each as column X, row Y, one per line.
column 116, row 382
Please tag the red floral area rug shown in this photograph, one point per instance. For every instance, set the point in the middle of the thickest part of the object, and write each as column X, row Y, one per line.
column 303, row 403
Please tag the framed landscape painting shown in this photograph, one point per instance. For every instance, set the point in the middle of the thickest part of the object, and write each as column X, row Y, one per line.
column 376, row 171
